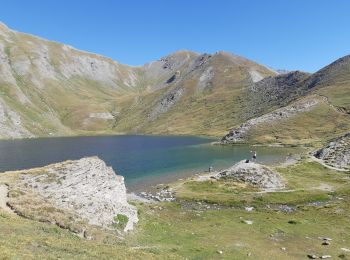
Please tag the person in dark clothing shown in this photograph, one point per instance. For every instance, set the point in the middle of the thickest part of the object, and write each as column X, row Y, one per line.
column 254, row 156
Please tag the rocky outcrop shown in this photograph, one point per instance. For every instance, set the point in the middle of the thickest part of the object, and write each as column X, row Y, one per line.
column 279, row 87
column 238, row 134
column 166, row 103
column 275, row 91
column 86, row 187
column 253, row 173
column 337, row 153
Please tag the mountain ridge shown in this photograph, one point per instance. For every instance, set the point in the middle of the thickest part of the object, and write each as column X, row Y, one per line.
column 51, row 89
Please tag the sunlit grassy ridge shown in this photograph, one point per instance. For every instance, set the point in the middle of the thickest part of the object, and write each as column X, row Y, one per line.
column 321, row 123
column 57, row 90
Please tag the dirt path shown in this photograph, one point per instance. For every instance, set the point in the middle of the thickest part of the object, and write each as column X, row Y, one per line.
column 338, row 109
column 320, row 161
column 4, row 198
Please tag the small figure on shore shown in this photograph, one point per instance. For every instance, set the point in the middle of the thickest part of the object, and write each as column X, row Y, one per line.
column 210, row 168
column 254, row 156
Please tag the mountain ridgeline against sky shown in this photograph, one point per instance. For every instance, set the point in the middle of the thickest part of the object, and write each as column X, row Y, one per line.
column 51, row 89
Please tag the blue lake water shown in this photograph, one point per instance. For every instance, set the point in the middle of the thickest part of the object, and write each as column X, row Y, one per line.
column 142, row 160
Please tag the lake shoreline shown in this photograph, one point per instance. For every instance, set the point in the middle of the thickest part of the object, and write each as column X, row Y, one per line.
column 144, row 161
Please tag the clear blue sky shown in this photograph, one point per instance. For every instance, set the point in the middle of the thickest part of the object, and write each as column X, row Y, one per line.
column 298, row 34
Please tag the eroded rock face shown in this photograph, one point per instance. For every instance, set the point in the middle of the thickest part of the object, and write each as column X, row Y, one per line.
column 336, row 153
column 86, row 186
column 166, row 103
column 11, row 123
column 254, row 174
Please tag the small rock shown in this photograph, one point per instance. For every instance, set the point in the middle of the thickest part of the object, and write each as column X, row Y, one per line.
column 248, row 222
column 283, row 248
column 325, row 256
column 249, row 254
column 249, row 208
column 326, row 243
column 312, row 256
column 345, row 249
column 219, row 252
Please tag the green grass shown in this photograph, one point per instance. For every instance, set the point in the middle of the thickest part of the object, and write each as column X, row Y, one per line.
column 120, row 221
column 26, row 239
column 320, row 124
column 188, row 229
column 198, row 233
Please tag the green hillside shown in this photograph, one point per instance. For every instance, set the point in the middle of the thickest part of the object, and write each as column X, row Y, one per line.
column 51, row 89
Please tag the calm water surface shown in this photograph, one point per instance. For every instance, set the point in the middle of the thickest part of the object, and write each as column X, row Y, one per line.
column 142, row 160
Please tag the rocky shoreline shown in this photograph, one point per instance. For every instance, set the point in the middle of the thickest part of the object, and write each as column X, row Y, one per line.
column 87, row 191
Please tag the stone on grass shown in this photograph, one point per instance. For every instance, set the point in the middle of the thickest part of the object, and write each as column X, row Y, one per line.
column 253, row 173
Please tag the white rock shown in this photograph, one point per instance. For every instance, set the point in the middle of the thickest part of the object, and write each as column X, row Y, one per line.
column 254, row 174
column 97, row 193
column 255, row 76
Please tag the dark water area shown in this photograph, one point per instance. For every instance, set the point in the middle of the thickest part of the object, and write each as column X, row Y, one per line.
column 142, row 160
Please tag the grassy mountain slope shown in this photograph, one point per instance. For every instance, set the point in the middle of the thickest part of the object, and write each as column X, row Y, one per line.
column 329, row 87
column 205, row 99
column 49, row 88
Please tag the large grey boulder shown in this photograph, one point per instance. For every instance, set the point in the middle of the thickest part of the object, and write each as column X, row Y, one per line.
column 254, row 174
column 88, row 187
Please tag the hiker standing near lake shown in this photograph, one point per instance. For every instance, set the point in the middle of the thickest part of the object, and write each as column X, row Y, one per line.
column 254, row 156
